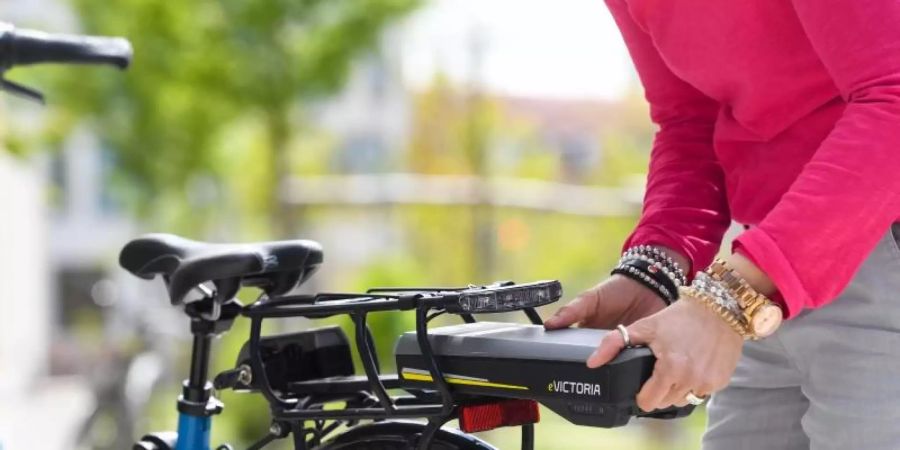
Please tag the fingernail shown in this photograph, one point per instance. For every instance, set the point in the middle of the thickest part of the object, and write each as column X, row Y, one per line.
column 590, row 361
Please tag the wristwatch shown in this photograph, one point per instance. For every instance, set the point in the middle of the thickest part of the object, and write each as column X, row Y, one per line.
column 761, row 315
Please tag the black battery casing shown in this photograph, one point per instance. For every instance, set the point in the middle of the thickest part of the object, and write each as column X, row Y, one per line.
column 528, row 362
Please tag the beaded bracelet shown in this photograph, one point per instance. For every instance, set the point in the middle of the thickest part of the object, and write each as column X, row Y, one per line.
column 637, row 270
column 653, row 254
column 654, row 269
column 703, row 282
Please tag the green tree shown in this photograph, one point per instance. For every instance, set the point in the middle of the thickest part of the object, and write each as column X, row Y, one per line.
column 206, row 68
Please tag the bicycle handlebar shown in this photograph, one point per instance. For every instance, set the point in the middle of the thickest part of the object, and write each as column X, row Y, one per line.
column 25, row 47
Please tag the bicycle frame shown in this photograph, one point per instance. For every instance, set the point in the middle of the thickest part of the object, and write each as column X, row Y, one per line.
column 193, row 432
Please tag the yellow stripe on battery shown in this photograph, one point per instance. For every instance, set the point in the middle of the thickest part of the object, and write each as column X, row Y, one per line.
column 422, row 375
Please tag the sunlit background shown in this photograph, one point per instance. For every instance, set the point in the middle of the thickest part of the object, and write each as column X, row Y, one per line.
column 421, row 142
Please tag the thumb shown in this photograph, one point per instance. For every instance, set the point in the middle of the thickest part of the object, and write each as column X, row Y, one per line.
column 614, row 342
column 570, row 314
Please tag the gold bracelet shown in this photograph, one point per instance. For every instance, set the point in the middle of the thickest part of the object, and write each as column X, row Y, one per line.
column 733, row 320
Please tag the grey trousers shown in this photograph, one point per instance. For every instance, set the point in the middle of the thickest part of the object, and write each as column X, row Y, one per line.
column 828, row 379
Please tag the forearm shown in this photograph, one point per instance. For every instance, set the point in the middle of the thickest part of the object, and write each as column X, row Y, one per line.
column 752, row 274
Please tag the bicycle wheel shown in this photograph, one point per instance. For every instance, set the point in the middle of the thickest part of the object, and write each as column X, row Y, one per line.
column 396, row 435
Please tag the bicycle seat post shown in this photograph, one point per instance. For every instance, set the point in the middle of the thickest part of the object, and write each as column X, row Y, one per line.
column 197, row 404
column 195, row 388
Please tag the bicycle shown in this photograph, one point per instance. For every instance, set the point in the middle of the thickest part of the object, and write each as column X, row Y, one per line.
column 485, row 374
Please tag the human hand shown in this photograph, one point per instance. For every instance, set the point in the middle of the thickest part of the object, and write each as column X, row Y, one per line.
column 618, row 300
column 696, row 352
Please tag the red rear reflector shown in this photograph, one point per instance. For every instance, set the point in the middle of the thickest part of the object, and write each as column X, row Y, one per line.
column 506, row 413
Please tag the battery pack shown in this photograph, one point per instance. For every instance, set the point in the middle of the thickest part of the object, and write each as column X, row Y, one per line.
column 528, row 362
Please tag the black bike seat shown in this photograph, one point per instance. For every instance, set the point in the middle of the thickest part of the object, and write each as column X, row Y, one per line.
column 276, row 266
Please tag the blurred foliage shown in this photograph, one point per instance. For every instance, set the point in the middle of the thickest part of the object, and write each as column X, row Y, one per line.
column 626, row 146
column 448, row 128
column 205, row 69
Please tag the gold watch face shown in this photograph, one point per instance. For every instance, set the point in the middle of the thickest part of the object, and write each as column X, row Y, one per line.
column 766, row 320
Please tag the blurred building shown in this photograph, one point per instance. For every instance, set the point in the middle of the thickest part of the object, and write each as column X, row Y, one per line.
column 571, row 128
column 371, row 115
column 87, row 228
column 26, row 311
column 24, row 295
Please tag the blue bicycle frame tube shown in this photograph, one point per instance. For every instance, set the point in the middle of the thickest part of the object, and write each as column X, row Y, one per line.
column 193, row 432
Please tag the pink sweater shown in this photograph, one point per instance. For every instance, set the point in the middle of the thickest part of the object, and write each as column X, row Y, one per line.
column 781, row 114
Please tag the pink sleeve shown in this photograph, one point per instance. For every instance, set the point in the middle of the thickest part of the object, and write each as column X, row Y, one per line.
column 847, row 196
column 685, row 207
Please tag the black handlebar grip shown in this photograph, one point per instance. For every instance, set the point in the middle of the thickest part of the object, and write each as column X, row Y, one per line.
column 22, row 47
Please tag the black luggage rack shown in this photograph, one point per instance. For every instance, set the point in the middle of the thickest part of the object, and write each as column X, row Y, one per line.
column 438, row 405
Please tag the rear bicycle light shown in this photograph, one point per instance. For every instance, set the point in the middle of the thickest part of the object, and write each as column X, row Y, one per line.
column 505, row 298
column 504, row 413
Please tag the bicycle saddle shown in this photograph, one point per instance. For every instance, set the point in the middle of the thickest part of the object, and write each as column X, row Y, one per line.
column 276, row 267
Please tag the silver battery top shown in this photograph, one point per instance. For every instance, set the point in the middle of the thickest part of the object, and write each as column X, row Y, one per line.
column 510, row 340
